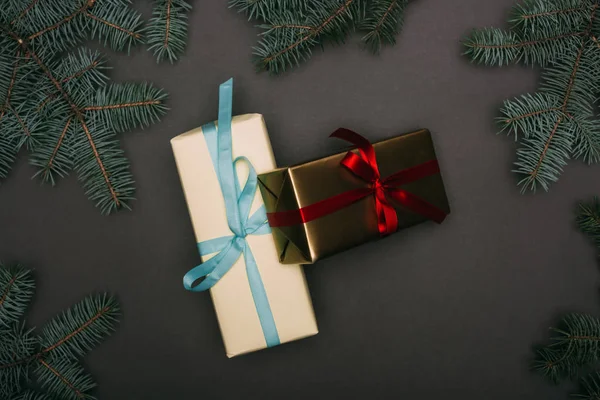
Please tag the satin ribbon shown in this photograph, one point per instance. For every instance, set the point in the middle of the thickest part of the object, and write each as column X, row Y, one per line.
column 238, row 202
column 364, row 165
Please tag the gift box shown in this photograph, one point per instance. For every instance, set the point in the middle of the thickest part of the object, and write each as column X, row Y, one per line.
column 258, row 302
column 326, row 206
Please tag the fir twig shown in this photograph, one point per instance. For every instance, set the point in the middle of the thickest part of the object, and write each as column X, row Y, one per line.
column 292, row 28
column 588, row 220
column 383, row 23
column 167, row 30
column 59, row 106
column 575, row 343
column 50, row 358
column 16, row 290
column 558, row 122
column 590, row 387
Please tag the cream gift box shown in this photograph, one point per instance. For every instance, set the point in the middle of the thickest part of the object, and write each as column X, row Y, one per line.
column 285, row 285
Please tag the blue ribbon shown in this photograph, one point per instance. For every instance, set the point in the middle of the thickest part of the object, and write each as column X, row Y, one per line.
column 238, row 202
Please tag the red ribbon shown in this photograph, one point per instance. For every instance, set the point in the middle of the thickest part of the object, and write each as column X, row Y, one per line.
column 365, row 167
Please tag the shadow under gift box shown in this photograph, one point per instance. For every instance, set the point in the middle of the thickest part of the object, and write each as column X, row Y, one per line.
column 299, row 186
column 285, row 286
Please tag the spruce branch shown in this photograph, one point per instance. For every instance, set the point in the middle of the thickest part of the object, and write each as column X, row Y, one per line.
column 588, row 220
column 167, row 29
column 64, row 378
column 50, row 358
column 575, row 342
column 558, row 122
column 8, row 152
column 16, row 290
column 56, row 102
column 265, row 9
column 81, row 328
column 590, row 387
column 293, row 28
column 16, row 342
column 284, row 44
column 383, row 23
column 128, row 106
column 105, row 195
column 115, row 25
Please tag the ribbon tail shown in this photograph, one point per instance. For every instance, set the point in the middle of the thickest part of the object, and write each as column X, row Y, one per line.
column 261, row 302
column 387, row 218
column 364, row 146
column 417, row 205
column 212, row 270
column 203, row 271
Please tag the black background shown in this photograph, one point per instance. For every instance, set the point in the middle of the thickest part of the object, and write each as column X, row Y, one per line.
column 433, row 312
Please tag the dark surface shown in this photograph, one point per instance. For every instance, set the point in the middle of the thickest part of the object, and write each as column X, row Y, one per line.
column 433, row 312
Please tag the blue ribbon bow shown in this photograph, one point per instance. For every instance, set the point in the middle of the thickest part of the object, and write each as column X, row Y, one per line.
column 238, row 202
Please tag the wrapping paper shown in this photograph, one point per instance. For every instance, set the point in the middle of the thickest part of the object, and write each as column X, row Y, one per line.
column 286, row 287
column 301, row 187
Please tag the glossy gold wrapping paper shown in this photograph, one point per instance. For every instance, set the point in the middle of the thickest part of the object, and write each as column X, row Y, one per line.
column 305, row 184
column 286, row 287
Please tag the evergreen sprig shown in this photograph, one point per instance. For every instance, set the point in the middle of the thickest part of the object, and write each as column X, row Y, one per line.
column 558, row 122
column 49, row 361
column 590, row 387
column 574, row 346
column 293, row 28
column 588, row 220
column 60, row 107
column 167, row 30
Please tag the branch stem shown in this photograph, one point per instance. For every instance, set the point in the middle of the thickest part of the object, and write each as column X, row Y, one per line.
column 20, row 121
column 11, row 85
column 62, row 378
column 115, row 26
column 24, row 12
column 66, row 19
column 531, row 114
column 168, row 24
column 528, row 43
column 8, row 287
column 57, row 147
column 534, row 173
column 312, row 34
column 555, row 12
column 39, row 355
column 384, row 16
column 81, row 119
column 123, row 105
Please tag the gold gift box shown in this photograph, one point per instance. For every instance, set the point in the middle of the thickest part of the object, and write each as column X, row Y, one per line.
column 299, row 186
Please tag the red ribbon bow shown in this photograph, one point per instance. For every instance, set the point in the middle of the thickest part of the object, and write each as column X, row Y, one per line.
column 365, row 167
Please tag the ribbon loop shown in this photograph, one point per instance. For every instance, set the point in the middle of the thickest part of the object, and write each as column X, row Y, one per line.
column 360, row 167
column 238, row 203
